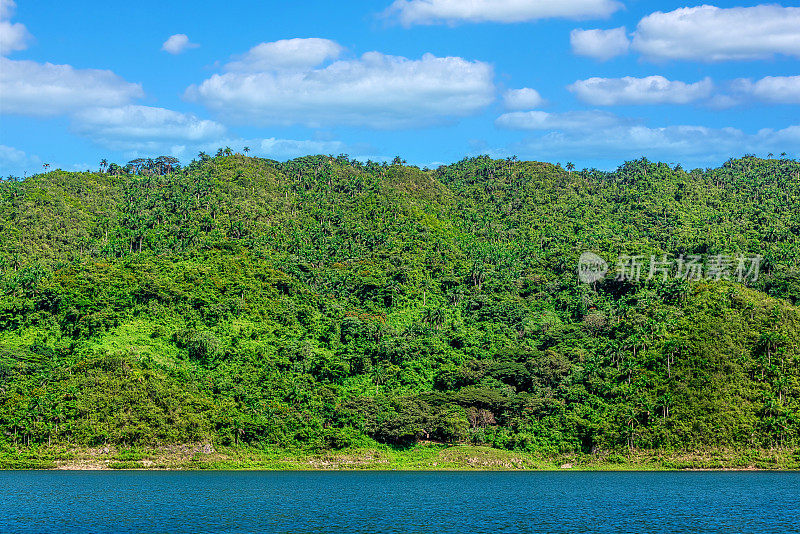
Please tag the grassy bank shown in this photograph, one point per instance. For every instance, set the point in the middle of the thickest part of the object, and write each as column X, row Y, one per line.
column 420, row 457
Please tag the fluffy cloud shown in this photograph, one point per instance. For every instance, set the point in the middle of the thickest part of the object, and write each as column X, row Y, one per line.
column 570, row 120
column 139, row 130
column 13, row 36
column 601, row 136
column 15, row 162
column 709, row 33
column 648, row 90
column 375, row 90
column 292, row 148
column 692, row 145
column 600, row 44
column 143, row 127
column 7, row 9
column 178, row 43
column 772, row 89
column 31, row 88
column 275, row 148
column 454, row 11
column 287, row 54
column 519, row 99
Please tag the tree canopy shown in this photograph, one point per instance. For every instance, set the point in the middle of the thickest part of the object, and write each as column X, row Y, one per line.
column 325, row 302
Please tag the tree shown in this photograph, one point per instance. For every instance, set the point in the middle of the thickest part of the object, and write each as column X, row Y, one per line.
column 166, row 164
column 103, row 164
column 570, row 167
column 322, row 300
column 246, row 150
column 138, row 165
column 479, row 417
column 383, row 373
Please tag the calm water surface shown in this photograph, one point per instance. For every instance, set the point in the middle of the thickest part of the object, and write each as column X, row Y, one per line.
column 371, row 502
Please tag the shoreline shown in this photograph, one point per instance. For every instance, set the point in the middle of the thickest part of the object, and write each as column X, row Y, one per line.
column 427, row 457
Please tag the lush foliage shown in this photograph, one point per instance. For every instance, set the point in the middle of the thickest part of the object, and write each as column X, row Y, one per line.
column 325, row 303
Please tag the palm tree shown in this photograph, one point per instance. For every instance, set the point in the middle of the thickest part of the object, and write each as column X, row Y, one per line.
column 246, row 150
column 46, row 166
column 103, row 164
column 570, row 166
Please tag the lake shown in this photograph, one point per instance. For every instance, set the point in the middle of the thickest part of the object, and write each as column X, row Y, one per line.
column 395, row 502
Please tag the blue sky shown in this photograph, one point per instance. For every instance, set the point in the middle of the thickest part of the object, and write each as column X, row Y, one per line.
column 594, row 82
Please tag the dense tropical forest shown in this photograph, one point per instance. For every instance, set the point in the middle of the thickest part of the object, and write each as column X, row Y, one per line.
column 324, row 303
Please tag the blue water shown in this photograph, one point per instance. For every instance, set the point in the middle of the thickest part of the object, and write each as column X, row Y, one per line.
column 371, row 502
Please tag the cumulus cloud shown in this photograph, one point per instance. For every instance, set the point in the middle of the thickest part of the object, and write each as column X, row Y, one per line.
column 7, row 9
column 292, row 148
column 15, row 162
column 771, row 89
column 31, row 88
column 144, row 130
column 569, row 120
column 375, row 90
column 519, row 99
column 709, row 33
column 601, row 136
column 637, row 91
column 410, row 12
column 275, row 148
column 600, row 44
column 13, row 35
column 693, row 145
column 287, row 54
column 142, row 127
column 178, row 43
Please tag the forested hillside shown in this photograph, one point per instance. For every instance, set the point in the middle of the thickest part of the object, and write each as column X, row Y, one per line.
column 323, row 303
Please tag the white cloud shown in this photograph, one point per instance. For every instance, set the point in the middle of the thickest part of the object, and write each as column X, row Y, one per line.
column 291, row 148
column 771, row 89
column 143, row 127
column 709, row 33
column 31, row 88
column 648, row 90
column 275, row 148
column 519, row 99
column 7, row 9
column 13, row 36
column 453, row 11
column 375, row 90
column 570, row 120
column 287, row 54
column 15, row 162
column 695, row 145
column 600, row 44
column 178, row 43
column 606, row 137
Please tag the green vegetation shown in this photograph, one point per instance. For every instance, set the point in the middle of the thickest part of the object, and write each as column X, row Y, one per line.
column 323, row 305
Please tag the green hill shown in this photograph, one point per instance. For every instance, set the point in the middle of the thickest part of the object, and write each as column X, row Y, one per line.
column 324, row 303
